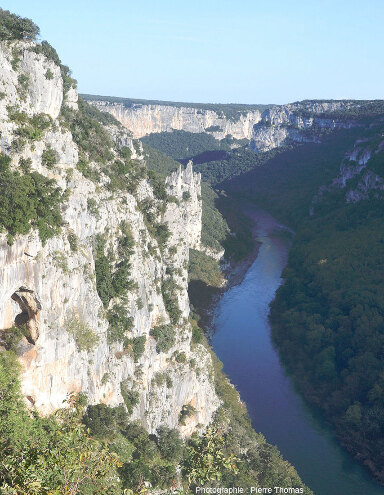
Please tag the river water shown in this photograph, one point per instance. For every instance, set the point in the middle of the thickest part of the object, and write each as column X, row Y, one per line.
column 242, row 342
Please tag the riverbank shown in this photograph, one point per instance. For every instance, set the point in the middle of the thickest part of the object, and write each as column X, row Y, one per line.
column 233, row 273
column 242, row 341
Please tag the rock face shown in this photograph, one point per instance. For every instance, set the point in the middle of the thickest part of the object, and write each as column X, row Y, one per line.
column 275, row 127
column 366, row 183
column 147, row 119
column 297, row 122
column 51, row 288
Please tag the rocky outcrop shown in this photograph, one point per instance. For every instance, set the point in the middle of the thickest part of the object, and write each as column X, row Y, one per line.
column 296, row 123
column 50, row 291
column 276, row 126
column 355, row 177
column 147, row 119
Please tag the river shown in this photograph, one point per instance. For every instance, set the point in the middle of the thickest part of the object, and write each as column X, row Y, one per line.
column 242, row 342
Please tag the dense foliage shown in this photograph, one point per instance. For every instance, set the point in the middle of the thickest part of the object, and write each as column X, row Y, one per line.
column 286, row 184
column 165, row 337
column 14, row 27
column 327, row 318
column 86, row 126
column 51, row 455
column 29, row 201
column 328, row 321
column 183, row 145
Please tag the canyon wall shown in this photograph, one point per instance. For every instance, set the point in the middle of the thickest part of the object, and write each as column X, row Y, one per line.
column 51, row 287
column 276, row 126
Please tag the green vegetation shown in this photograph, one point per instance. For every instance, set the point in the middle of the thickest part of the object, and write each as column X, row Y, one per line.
column 237, row 162
column 119, row 323
column 168, row 291
column 86, row 126
column 360, row 110
column 49, row 157
column 49, row 74
column 99, row 451
column 14, row 27
column 286, row 184
column 113, row 280
column 84, row 336
column 327, row 317
column 50, row 53
column 328, row 321
column 165, row 337
column 158, row 161
column 186, row 411
column 73, row 241
column 130, row 396
column 29, row 201
column 31, row 128
column 23, row 85
column 206, row 460
column 46, row 455
column 181, row 144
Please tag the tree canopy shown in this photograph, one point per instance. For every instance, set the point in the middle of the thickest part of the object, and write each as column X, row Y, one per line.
column 14, row 27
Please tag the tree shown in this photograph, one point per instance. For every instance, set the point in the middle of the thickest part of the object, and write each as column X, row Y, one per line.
column 206, row 460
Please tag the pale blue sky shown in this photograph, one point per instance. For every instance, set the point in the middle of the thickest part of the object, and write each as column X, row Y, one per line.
column 242, row 51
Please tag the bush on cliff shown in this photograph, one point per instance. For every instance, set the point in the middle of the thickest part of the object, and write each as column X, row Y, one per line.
column 28, row 201
column 14, row 27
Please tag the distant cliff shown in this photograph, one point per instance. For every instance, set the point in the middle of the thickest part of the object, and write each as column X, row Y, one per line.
column 265, row 127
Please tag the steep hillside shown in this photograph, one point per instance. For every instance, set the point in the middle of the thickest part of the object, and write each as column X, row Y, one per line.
column 327, row 318
column 264, row 127
column 103, row 374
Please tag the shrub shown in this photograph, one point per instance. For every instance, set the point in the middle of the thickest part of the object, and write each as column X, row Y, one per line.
column 29, row 201
column 139, row 346
column 165, row 337
column 206, row 459
column 23, row 80
column 131, row 397
column 87, row 129
column 197, row 334
column 14, row 27
column 170, row 444
column 92, row 206
column 52, row 454
column 103, row 270
column 84, row 336
column 31, row 128
column 119, row 323
column 186, row 411
column 73, row 241
column 49, row 157
column 103, row 420
column 49, row 74
column 85, row 168
column 168, row 290
column 180, row 357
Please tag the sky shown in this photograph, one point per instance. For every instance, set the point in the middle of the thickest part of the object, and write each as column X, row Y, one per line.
column 217, row 51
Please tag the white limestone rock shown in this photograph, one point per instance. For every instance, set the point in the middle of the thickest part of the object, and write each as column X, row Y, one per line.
column 53, row 287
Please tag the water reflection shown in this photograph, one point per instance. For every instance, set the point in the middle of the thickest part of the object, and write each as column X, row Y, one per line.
column 242, row 341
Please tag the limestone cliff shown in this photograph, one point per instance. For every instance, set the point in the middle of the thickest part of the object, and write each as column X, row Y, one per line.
column 146, row 119
column 358, row 179
column 276, row 126
column 51, row 287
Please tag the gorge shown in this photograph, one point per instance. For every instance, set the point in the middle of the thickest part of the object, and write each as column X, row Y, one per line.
column 113, row 245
